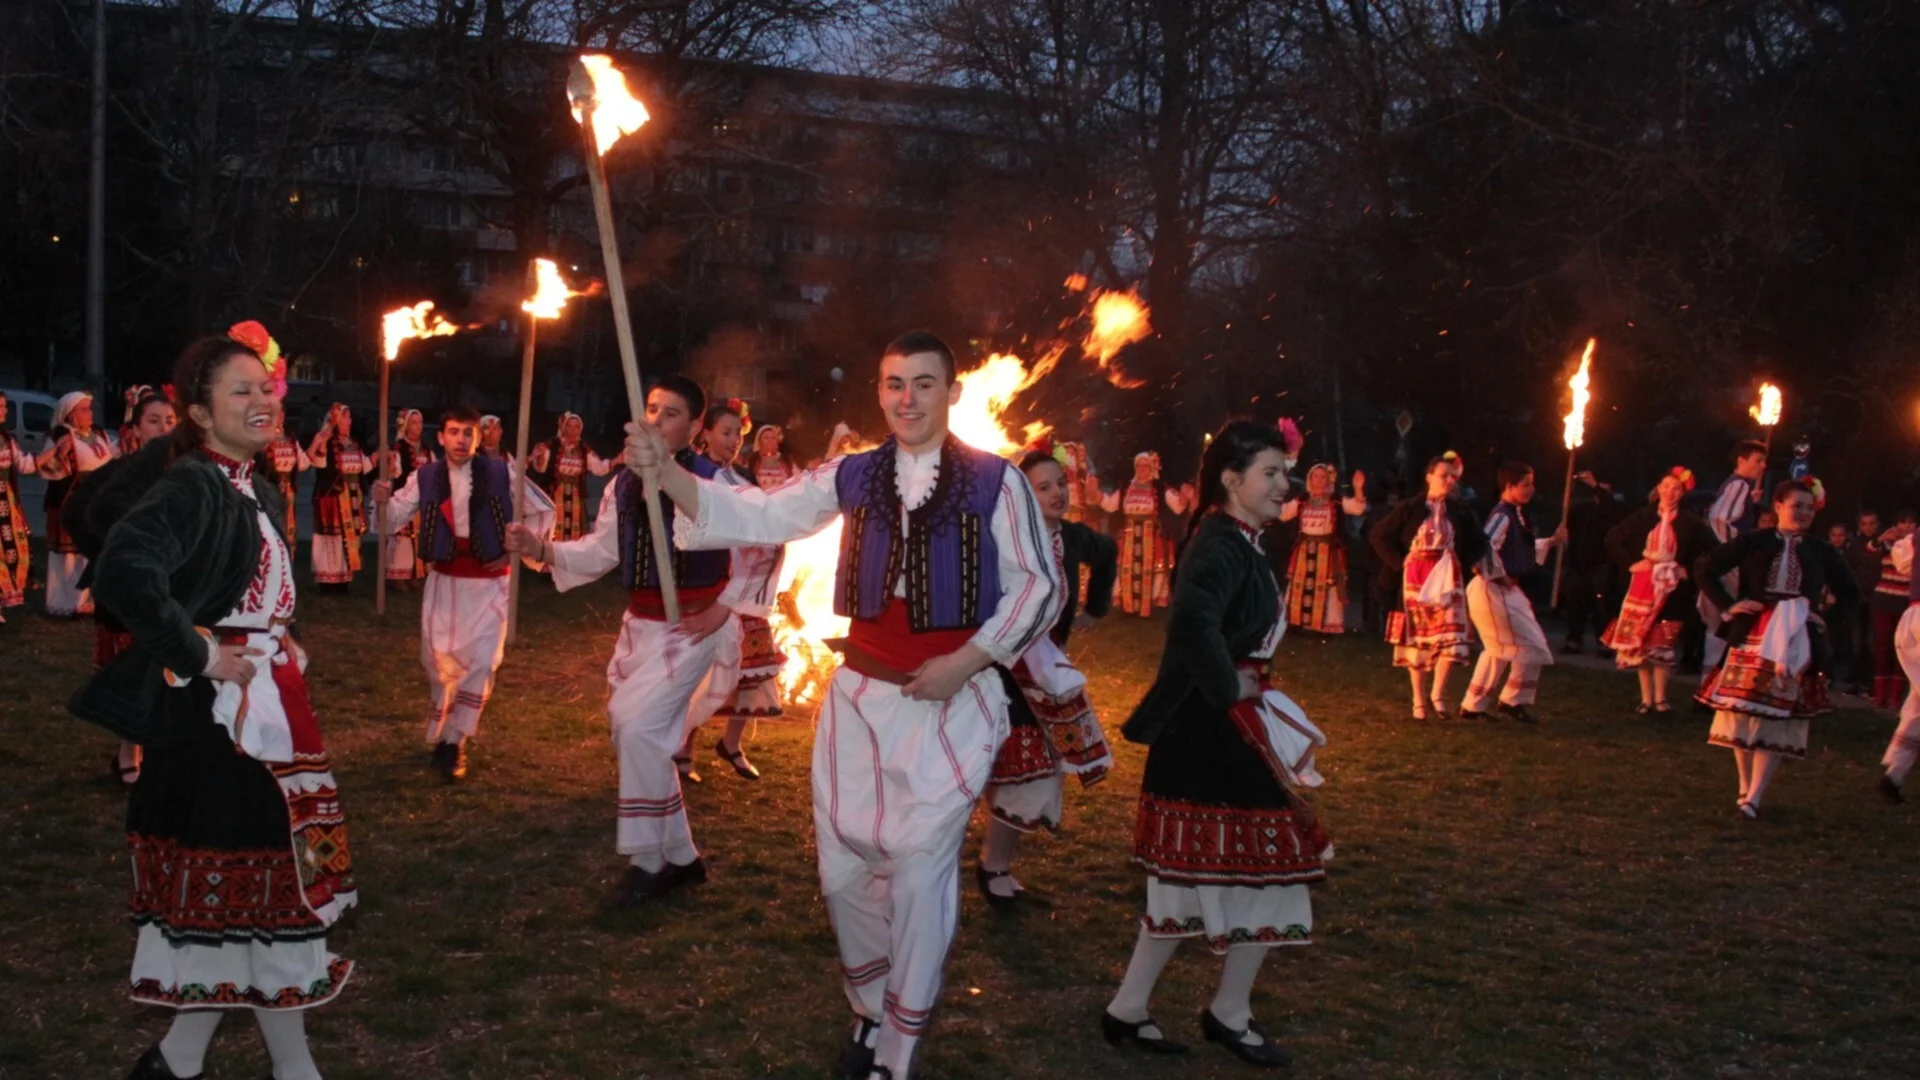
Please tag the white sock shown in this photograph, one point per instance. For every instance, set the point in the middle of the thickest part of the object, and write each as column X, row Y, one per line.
column 1150, row 956
column 185, row 1045
column 652, row 862
column 1765, row 763
column 1233, row 1001
column 285, row 1031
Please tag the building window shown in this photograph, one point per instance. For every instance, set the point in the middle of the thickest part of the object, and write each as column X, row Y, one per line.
column 439, row 159
column 441, row 212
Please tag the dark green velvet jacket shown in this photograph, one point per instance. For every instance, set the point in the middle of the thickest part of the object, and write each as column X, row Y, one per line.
column 182, row 547
column 1225, row 600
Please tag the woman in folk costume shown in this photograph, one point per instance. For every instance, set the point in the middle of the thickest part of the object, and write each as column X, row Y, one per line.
column 1317, row 567
column 129, row 436
column 1083, row 487
column 285, row 458
column 1228, row 846
column 560, row 466
column 339, row 507
column 75, row 447
column 755, row 668
column 1145, row 552
column 239, row 846
column 490, row 435
column 1887, row 607
column 1657, row 545
column 770, row 464
column 15, row 557
column 1053, row 729
column 1905, row 745
column 151, row 421
column 408, row 452
column 1425, row 546
column 1773, row 677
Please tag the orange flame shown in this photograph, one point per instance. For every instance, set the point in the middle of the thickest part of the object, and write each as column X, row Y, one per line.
column 1576, row 430
column 1768, row 411
column 1119, row 320
column 551, row 291
column 417, row 321
column 616, row 112
column 985, row 393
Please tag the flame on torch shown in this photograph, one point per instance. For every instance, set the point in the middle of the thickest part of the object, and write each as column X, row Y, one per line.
column 616, row 112
column 551, row 291
column 417, row 321
column 1119, row 320
column 1576, row 430
column 1768, row 411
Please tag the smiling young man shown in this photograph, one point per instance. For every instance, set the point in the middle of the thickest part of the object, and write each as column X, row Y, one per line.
column 657, row 666
column 945, row 570
column 464, row 502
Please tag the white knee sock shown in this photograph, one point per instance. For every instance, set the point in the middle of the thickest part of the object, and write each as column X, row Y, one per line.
column 185, row 1045
column 996, row 853
column 285, row 1031
column 1743, row 761
column 1233, row 1001
column 1150, row 955
column 1765, row 763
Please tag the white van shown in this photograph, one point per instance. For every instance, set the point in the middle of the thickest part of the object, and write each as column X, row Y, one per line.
column 29, row 415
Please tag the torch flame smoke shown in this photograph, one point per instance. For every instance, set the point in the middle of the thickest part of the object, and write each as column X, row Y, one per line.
column 417, row 321
column 1576, row 431
column 1768, row 411
column 616, row 112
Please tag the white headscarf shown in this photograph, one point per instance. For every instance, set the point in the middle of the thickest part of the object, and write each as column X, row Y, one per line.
column 68, row 404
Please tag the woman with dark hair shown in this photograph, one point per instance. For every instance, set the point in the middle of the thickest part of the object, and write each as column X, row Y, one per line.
column 1227, row 846
column 1052, row 728
column 405, row 569
column 1425, row 547
column 149, row 417
column 14, row 555
column 239, row 846
column 1773, row 676
column 1656, row 545
column 744, row 684
column 339, row 508
column 75, row 447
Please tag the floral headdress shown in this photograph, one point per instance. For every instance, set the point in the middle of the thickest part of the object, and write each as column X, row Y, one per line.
column 1291, row 438
column 254, row 336
column 1819, row 493
column 1682, row 474
column 1045, row 445
column 746, row 418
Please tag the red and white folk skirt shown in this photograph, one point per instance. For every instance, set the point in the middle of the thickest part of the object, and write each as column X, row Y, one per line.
column 1228, row 848
column 240, row 866
column 1757, row 706
column 1052, row 732
column 757, row 695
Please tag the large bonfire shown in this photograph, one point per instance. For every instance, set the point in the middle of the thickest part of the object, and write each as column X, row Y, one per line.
column 803, row 620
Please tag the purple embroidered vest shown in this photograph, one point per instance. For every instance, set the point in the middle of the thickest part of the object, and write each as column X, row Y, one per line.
column 1516, row 554
column 638, row 568
column 947, row 553
column 489, row 508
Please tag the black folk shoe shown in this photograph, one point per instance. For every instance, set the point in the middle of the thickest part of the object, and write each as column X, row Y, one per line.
column 1146, row 1035
column 1519, row 712
column 1263, row 1052
column 737, row 759
column 856, row 1057
column 152, row 1066
column 985, row 878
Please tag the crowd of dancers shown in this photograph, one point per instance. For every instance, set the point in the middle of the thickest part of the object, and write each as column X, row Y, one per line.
column 963, row 576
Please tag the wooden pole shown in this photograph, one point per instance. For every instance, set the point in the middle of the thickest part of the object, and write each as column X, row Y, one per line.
column 1560, row 560
column 380, row 508
column 623, row 333
column 520, row 460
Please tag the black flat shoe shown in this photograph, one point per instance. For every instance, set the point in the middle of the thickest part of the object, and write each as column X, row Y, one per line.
column 684, row 766
column 637, row 887
column 152, row 1066
column 1145, row 1035
column 984, row 878
column 737, row 759
column 1473, row 714
column 1263, row 1053
column 451, row 761
column 680, row 875
column 1890, row 791
column 1520, row 713
column 856, row 1057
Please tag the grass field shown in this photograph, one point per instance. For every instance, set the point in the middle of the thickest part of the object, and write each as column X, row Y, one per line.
column 1576, row 900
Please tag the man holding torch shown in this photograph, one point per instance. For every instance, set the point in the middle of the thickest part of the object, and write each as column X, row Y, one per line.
column 945, row 570
column 658, row 664
column 465, row 501
column 1735, row 512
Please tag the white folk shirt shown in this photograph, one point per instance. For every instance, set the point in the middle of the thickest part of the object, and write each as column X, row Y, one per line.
column 459, row 498
column 1030, row 593
column 586, row 559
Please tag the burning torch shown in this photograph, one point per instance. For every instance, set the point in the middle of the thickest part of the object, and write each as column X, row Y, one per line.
column 415, row 321
column 550, row 294
column 606, row 110
column 1574, row 433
